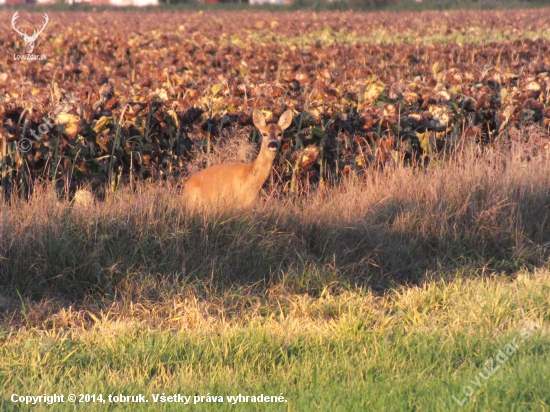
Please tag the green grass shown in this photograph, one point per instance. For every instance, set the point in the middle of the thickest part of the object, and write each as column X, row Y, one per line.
column 412, row 350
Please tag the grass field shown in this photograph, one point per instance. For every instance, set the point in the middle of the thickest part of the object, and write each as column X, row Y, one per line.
column 412, row 350
column 398, row 259
column 391, row 294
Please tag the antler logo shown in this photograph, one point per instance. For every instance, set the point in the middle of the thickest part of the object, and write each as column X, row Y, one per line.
column 29, row 40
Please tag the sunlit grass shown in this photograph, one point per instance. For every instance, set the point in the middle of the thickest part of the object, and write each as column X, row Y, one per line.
column 389, row 292
column 353, row 350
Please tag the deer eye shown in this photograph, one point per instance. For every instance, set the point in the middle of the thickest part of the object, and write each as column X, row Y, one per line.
column 280, row 134
column 264, row 134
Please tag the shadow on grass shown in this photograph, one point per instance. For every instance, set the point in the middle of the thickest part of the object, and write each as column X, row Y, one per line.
column 70, row 253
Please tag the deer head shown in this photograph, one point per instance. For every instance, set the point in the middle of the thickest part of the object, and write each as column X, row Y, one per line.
column 29, row 40
column 272, row 134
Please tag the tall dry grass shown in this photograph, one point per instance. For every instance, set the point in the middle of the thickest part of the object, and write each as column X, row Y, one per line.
column 475, row 214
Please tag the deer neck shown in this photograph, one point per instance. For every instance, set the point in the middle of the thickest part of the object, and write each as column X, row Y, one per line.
column 261, row 167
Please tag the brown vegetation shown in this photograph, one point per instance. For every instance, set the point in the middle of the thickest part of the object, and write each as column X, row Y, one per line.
column 365, row 91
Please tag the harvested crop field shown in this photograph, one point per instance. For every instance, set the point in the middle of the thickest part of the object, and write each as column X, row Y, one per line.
column 398, row 257
column 154, row 100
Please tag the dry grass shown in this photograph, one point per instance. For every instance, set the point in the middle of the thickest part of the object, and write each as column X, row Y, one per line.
column 396, row 227
column 235, row 147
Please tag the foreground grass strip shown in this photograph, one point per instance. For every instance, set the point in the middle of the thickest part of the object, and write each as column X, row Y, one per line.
column 416, row 348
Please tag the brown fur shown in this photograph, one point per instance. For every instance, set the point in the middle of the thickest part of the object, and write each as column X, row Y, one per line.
column 237, row 185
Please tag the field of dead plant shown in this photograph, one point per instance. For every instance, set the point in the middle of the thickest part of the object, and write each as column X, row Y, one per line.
column 121, row 97
column 398, row 258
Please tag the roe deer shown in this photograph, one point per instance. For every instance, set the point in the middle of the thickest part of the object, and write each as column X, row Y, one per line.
column 238, row 184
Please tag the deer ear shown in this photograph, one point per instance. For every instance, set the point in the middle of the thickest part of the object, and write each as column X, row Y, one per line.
column 286, row 119
column 259, row 119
